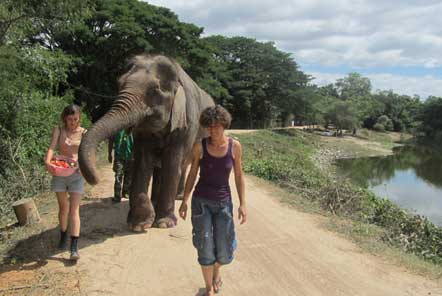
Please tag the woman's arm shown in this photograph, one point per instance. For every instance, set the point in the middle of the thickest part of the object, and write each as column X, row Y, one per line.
column 52, row 146
column 191, row 178
column 239, row 181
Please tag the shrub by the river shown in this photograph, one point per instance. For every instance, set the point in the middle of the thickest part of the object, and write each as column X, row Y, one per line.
column 379, row 127
column 284, row 157
column 386, row 122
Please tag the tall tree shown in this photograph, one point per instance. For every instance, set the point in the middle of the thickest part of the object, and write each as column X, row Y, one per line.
column 401, row 109
column 431, row 119
column 21, row 18
column 114, row 31
column 356, row 89
column 261, row 80
column 343, row 116
column 353, row 86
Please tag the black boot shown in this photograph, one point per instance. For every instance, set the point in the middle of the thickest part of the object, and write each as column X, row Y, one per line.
column 63, row 243
column 116, row 199
column 74, row 248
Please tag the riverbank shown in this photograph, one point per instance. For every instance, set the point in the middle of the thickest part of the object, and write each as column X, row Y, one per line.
column 366, row 143
column 302, row 163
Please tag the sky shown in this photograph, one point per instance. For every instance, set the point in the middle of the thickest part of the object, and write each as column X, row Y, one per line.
column 396, row 44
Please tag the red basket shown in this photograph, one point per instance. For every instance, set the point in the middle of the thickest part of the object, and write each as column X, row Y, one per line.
column 63, row 171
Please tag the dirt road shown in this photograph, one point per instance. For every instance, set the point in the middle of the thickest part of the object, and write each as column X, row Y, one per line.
column 281, row 252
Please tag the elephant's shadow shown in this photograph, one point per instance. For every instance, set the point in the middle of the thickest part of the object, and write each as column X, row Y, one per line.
column 100, row 220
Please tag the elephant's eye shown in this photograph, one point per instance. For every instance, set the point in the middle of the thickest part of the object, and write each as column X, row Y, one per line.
column 152, row 91
column 154, row 96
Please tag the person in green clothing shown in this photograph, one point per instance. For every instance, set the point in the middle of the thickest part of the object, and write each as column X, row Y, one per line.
column 122, row 144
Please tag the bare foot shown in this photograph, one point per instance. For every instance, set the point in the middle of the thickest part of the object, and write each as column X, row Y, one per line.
column 209, row 292
column 217, row 284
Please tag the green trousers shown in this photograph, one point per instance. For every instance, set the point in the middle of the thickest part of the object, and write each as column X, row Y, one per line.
column 123, row 177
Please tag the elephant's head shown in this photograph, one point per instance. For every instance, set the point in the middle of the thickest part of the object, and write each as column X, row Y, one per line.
column 150, row 96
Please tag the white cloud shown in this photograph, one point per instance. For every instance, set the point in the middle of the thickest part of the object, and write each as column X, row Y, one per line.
column 364, row 30
column 353, row 34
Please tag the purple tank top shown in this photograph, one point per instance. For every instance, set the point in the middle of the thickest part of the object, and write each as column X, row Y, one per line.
column 214, row 174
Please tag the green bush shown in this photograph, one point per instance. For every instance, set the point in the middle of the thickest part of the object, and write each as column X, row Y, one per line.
column 386, row 122
column 379, row 127
column 21, row 165
column 29, row 109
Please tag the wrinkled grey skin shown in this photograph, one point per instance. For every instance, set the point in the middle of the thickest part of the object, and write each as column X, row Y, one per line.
column 162, row 104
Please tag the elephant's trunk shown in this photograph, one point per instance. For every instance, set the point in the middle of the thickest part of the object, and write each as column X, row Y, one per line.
column 119, row 117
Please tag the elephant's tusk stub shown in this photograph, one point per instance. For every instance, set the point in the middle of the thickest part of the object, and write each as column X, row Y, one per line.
column 149, row 111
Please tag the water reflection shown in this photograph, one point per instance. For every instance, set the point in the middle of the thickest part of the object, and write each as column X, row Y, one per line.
column 412, row 178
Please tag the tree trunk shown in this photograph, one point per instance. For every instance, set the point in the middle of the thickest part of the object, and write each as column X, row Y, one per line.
column 26, row 211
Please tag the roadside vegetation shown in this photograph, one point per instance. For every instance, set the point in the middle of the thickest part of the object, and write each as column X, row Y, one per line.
column 286, row 157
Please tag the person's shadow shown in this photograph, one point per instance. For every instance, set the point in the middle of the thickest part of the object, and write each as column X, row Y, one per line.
column 100, row 220
column 201, row 292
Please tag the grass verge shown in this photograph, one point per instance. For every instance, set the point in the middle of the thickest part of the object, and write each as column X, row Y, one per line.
column 286, row 157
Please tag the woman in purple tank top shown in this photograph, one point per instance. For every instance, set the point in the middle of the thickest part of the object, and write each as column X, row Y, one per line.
column 213, row 232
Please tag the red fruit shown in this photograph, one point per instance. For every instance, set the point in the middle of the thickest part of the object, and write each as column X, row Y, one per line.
column 61, row 163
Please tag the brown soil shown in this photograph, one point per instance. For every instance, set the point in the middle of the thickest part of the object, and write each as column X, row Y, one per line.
column 357, row 146
column 280, row 252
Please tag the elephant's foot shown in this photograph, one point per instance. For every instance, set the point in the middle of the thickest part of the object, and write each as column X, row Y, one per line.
column 139, row 227
column 166, row 222
column 141, row 214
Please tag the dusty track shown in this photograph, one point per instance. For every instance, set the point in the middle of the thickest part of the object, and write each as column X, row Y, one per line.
column 281, row 252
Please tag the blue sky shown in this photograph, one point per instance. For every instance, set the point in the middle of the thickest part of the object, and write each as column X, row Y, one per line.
column 397, row 44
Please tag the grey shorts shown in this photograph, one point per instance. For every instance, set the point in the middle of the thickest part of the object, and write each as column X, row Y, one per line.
column 72, row 183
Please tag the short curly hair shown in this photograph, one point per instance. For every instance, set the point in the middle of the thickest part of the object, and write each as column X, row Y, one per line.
column 215, row 114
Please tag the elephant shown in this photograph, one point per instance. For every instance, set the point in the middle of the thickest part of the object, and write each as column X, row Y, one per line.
column 161, row 104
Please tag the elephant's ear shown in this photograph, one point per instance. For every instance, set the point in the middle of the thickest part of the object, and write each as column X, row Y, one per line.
column 178, row 117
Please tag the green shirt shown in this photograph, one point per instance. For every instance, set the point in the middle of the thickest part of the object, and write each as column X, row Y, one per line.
column 123, row 145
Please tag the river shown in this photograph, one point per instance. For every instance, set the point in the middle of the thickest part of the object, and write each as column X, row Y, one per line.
column 411, row 178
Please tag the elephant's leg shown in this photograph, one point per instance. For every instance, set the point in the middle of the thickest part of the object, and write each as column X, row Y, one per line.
column 156, row 185
column 170, row 177
column 141, row 212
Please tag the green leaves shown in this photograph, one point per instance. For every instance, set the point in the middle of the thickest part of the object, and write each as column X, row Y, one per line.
column 260, row 79
column 431, row 118
column 343, row 115
column 30, row 107
column 101, row 41
column 360, row 107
